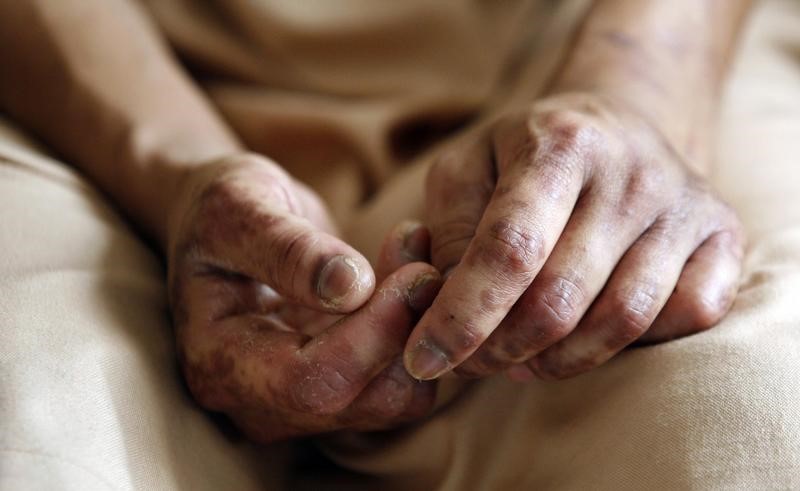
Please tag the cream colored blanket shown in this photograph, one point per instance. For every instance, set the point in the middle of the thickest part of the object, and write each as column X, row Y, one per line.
column 355, row 97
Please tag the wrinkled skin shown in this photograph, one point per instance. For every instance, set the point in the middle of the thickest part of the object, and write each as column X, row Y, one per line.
column 567, row 232
column 261, row 338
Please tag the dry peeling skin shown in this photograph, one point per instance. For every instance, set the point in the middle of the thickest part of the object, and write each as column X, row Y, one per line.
column 274, row 385
column 569, row 170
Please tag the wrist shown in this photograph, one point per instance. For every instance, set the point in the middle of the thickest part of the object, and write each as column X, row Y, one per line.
column 664, row 60
column 690, row 135
column 682, row 111
column 159, row 166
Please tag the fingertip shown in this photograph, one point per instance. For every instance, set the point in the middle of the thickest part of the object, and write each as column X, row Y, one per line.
column 423, row 290
column 426, row 361
column 344, row 283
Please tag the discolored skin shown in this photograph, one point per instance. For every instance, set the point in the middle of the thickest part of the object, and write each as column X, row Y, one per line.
column 574, row 225
column 585, row 241
column 257, row 342
column 582, row 222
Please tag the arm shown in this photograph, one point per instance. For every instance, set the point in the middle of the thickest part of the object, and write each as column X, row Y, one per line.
column 592, row 213
column 667, row 60
column 94, row 81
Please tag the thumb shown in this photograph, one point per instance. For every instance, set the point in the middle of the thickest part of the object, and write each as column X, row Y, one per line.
column 309, row 266
column 239, row 231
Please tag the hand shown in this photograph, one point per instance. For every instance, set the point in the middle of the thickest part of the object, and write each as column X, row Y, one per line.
column 566, row 233
column 258, row 284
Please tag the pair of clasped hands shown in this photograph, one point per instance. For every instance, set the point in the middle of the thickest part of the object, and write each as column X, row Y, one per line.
column 555, row 239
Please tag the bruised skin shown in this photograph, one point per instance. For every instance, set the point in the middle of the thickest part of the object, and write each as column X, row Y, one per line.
column 592, row 239
column 584, row 223
column 255, row 339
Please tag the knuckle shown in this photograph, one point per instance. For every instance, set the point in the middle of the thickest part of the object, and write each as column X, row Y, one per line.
column 556, row 175
column 564, row 130
column 263, row 184
column 320, row 390
column 641, row 184
column 662, row 234
column 543, row 322
column 706, row 312
column 290, row 253
column 702, row 310
column 570, row 132
column 731, row 225
column 635, row 311
column 560, row 301
column 446, row 183
column 513, row 250
column 646, row 186
column 469, row 337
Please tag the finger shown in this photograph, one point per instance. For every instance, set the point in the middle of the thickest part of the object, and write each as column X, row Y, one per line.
column 634, row 295
column 407, row 242
column 457, row 190
column 391, row 398
column 705, row 291
column 526, row 214
column 242, row 229
column 562, row 292
column 333, row 368
column 248, row 361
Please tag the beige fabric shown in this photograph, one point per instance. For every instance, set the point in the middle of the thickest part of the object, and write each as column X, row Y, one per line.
column 343, row 92
column 90, row 397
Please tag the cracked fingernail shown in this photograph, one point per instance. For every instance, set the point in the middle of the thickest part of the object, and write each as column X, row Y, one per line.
column 337, row 279
column 422, row 292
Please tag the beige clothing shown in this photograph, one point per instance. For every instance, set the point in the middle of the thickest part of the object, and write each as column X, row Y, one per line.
column 90, row 395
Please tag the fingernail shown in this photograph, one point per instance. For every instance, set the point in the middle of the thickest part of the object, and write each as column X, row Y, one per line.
column 337, row 279
column 426, row 361
column 415, row 247
column 422, row 292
